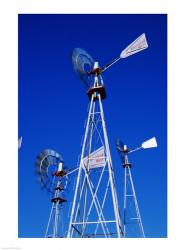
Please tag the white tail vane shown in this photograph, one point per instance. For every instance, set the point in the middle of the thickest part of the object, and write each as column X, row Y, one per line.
column 152, row 143
column 96, row 159
column 138, row 45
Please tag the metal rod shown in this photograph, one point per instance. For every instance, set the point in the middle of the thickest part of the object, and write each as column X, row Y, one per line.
column 125, row 201
column 133, row 150
column 110, row 64
column 93, row 222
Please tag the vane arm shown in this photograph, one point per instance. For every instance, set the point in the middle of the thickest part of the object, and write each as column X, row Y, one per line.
column 133, row 150
column 108, row 65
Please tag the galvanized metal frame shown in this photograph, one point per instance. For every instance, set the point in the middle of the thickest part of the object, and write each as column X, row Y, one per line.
column 87, row 184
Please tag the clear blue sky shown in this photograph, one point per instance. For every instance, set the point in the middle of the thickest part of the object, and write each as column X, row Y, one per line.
column 53, row 106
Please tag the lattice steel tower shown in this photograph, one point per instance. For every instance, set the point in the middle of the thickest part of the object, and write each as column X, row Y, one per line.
column 95, row 210
column 132, row 221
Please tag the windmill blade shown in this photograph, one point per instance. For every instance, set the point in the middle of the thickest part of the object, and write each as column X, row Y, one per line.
column 119, row 144
column 83, row 63
column 120, row 147
column 138, row 45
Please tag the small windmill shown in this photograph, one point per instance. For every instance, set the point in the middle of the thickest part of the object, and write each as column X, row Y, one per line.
column 132, row 222
column 53, row 178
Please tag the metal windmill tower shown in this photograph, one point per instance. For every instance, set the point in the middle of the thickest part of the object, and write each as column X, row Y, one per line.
column 132, row 222
column 53, row 178
column 95, row 211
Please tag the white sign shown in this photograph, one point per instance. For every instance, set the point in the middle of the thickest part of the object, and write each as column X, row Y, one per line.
column 138, row 45
column 96, row 159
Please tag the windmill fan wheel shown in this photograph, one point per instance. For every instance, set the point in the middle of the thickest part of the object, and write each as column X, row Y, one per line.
column 49, row 169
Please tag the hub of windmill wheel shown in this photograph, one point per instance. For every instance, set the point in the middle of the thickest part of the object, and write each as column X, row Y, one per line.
column 60, row 173
column 98, row 90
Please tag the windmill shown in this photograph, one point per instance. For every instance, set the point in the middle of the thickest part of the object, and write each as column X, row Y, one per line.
column 95, row 210
column 132, row 222
column 53, row 178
